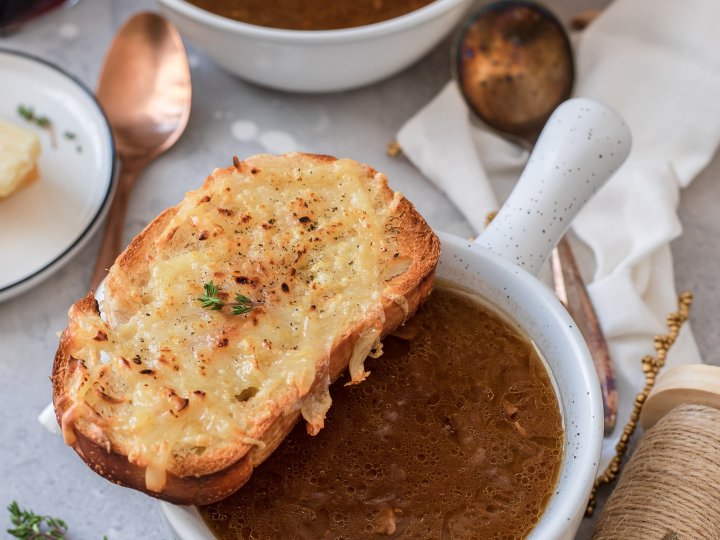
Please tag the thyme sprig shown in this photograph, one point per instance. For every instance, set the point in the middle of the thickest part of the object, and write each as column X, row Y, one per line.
column 27, row 525
column 242, row 305
column 211, row 300
column 40, row 120
column 28, row 113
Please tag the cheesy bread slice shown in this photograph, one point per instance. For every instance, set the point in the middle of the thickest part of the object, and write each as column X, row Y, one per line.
column 227, row 318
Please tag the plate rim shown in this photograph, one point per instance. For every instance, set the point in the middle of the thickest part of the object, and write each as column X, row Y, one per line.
column 62, row 258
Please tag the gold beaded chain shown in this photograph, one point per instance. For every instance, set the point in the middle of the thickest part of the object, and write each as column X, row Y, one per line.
column 651, row 367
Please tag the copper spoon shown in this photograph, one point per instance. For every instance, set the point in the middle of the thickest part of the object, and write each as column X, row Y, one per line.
column 145, row 90
column 514, row 65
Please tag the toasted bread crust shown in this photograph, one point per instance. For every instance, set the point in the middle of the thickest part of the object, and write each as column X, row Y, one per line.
column 205, row 479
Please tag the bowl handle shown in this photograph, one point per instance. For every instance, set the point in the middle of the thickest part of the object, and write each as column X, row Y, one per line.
column 583, row 143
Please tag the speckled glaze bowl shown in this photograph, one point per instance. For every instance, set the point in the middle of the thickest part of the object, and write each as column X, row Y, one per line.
column 582, row 145
column 316, row 61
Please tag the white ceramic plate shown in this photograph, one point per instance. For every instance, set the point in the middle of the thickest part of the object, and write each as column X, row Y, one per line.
column 44, row 224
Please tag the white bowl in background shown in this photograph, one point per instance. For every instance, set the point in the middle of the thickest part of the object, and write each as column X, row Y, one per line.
column 316, row 60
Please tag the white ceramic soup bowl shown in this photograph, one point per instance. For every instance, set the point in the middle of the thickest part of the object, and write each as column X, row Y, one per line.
column 316, row 61
column 582, row 145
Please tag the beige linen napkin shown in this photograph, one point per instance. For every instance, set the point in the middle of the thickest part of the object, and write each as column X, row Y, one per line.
column 658, row 63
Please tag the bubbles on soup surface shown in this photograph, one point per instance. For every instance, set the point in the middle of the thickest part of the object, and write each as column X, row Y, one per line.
column 455, row 434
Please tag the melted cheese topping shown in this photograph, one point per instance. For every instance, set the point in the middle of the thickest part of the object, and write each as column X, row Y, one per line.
column 171, row 378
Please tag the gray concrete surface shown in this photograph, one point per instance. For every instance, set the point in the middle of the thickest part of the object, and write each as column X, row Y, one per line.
column 35, row 467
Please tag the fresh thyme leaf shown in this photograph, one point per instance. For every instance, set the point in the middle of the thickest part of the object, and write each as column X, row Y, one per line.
column 28, row 113
column 210, row 299
column 69, row 135
column 243, row 305
column 210, row 289
column 27, row 525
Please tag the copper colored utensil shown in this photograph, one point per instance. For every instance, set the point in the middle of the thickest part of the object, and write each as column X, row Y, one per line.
column 514, row 65
column 567, row 278
column 145, row 90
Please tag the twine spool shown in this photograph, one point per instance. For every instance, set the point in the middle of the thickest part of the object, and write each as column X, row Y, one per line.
column 670, row 488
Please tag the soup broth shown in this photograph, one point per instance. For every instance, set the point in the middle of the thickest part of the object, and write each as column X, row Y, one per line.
column 310, row 14
column 457, row 433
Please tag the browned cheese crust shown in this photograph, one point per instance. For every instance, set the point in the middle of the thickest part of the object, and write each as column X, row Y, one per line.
column 408, row 267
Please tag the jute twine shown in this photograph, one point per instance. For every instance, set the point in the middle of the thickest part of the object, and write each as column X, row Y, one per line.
column 670, row 488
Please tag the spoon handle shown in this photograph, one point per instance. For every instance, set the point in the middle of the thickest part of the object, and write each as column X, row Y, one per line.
column 570, row 289
column 112, row 235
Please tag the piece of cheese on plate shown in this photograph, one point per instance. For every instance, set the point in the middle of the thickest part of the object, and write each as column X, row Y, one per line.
column 19, row 150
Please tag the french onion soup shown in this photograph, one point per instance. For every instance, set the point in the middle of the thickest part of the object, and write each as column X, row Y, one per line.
column 310, row 14
column 457, row 433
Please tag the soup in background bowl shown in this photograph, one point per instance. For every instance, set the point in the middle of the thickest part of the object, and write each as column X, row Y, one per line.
column 316, row 60
column 310, row 14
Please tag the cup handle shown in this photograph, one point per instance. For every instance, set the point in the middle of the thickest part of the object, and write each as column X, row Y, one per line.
column 583, row 143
